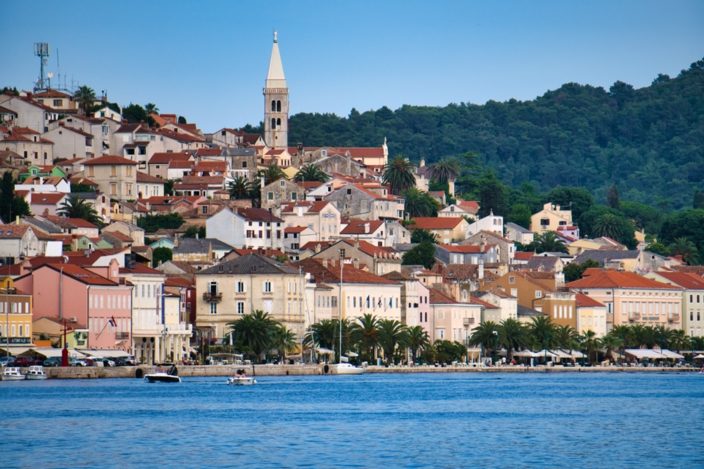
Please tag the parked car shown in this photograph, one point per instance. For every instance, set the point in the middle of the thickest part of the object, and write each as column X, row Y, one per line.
column 5, row 360
column 78, row 362
column 52, row 361
column 23, row 362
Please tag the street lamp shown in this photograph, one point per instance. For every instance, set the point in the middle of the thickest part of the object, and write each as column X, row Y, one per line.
column 495, row 333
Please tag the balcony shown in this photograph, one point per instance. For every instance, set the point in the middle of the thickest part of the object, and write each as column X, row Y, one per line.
column 634, row 317
column 122, row 335
column 211, row 297
column 673, row 318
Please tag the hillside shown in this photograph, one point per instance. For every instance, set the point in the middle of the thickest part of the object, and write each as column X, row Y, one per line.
column 648, row 141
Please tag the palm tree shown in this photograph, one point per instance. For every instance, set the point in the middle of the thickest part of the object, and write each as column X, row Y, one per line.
column 686, row 248
column 272, row 173
column 322, row 334
column 391, row 332
column 548, row 242
column 254, row 333
column 444, row 170
column 85, row 97
column 416, row 338
column 566, row 337
column 624, row 334
column 365, row 335
column 240, row 188
column 679, row 340
column 151, row 108
column 420, row 203
column 542, row 332
column 399, row 175
column 643, row 336
column 486, row 336
column 311, row 172
column 284, row 340
column 73, row 207
column 607, row 224
column 512, row 335
column 590, row 344
column 610, row 343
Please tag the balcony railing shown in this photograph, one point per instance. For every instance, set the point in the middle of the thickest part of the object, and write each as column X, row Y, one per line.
column 212, row 297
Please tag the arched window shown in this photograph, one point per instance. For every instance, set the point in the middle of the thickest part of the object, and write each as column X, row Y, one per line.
column 278, row 122
column 278, row 106
column 273, row 106
column 273, row 123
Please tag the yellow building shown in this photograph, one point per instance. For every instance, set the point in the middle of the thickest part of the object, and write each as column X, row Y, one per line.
column 550, row 218
column 15, row 315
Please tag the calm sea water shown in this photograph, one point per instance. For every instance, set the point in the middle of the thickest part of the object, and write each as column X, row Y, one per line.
column 421, row 420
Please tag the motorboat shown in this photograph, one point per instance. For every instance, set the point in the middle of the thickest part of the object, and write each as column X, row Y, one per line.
column 36, row 372
column 346, row 369
column 241, row 380
column 161, row 378
column 12, row 373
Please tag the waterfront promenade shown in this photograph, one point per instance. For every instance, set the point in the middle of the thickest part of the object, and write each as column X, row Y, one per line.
column 303, row 370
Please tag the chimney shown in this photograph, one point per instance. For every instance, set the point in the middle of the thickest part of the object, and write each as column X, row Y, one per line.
column 422, row 163
column 17, row 220
column 317, row 248
column 480, row 271
column 355, row 263
column 325, row 263
column 366, row 227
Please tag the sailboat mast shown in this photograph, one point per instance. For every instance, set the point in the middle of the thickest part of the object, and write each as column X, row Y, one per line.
column 339, row 302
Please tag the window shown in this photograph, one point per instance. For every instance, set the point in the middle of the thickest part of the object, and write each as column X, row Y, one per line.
column 273, row 123
column 267, row 287
column 240, row 287
column 57, row 102
column 204, row 209
column 544, row 222
column 294, row 196
column 538, row 294
column 213, row 288
column 113, row 188
column 213, row 308
column 270, row 195
column 278, row 109
column 240, row 307
column 511, row 279
column 273, row 106
column 113, row 170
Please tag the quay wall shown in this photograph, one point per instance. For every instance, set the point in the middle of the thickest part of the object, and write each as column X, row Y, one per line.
column 304, row 370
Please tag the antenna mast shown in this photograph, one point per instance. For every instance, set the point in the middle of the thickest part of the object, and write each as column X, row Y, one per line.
column 41, row 50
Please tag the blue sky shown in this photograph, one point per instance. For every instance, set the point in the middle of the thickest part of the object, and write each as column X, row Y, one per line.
column 207, row 60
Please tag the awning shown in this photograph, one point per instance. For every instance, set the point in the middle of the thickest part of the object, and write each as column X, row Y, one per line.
column 544, row 352
column 50, row 352
column 526, row 354
column 699, row 357
column 324, row 351
column 14, row 350
column 560, row 354
column 352, row 354
column 641, row 353
column 104, row 353
column 671, row 354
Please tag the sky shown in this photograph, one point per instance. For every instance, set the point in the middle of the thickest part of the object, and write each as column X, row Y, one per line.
column 207, row 60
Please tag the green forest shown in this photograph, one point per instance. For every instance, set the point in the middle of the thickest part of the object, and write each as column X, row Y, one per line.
column 648, row 143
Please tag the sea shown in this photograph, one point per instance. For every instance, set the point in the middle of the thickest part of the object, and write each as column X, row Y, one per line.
column 492, row 420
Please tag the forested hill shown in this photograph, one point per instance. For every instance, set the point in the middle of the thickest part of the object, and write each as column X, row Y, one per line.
column 648, row 141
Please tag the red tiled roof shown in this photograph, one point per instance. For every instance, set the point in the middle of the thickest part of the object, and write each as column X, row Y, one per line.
column 584, row 301
column 166, row 157
column 523, row 255
column 433, row 223
column 686, row 280
column 358, row 152
column 476, row 301
column 46, row 198
column 51, row 93
column 109, row 160
column 146, row 178
column 208, row 166
column 295, row 229
column 13, row 231
column 180, row 164
column 267, row 252
column 463, row 249
column 331, row 274
column 370, row 249
column 82, row 275
column 437, row 297
column 602, row 278
column 356, row 227
column 70, row 222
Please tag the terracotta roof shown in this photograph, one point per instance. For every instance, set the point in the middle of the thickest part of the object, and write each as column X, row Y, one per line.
column 66, row 222
column 331, row 274
column 258, row 214
column 295, row 229
column 357, row 227
column 218, row 166
column 686, row 280
column 310, row 245
column 146, row 178
column 433, row 223
column 372, row 250
column 357, row 152
column 267, row 252
column 13, row 231
column 463, row 249
column 601, row 278
column 523, row 255
column 584, row 301
column 109, row 160
column 82, row 275
column 180, row 164
column 75, row 130
column 46, row 198
column 51, row 93
column 471, row 206
column 437, row 297
column 476, row 301
column 166, row 157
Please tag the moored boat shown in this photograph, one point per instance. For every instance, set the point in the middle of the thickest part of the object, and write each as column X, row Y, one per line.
column 36, row 372
column 161, row 378
column 346, row 369
column 241, row 381
column 12, row 373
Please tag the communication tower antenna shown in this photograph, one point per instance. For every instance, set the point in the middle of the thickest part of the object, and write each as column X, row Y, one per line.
column 41, row 50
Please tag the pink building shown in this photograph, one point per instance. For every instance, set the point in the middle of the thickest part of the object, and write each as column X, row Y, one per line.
column 86, row 299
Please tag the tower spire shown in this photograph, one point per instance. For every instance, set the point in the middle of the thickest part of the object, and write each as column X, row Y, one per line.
column 276, row 100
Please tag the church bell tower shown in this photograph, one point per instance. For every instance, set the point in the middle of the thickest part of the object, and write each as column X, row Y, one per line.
column 276, row 101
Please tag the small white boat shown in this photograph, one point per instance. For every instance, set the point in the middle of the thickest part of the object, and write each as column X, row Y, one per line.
column 12, row 373
column 36, row 372
column 241, row 381
column 161, row 378
column 347, row 369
